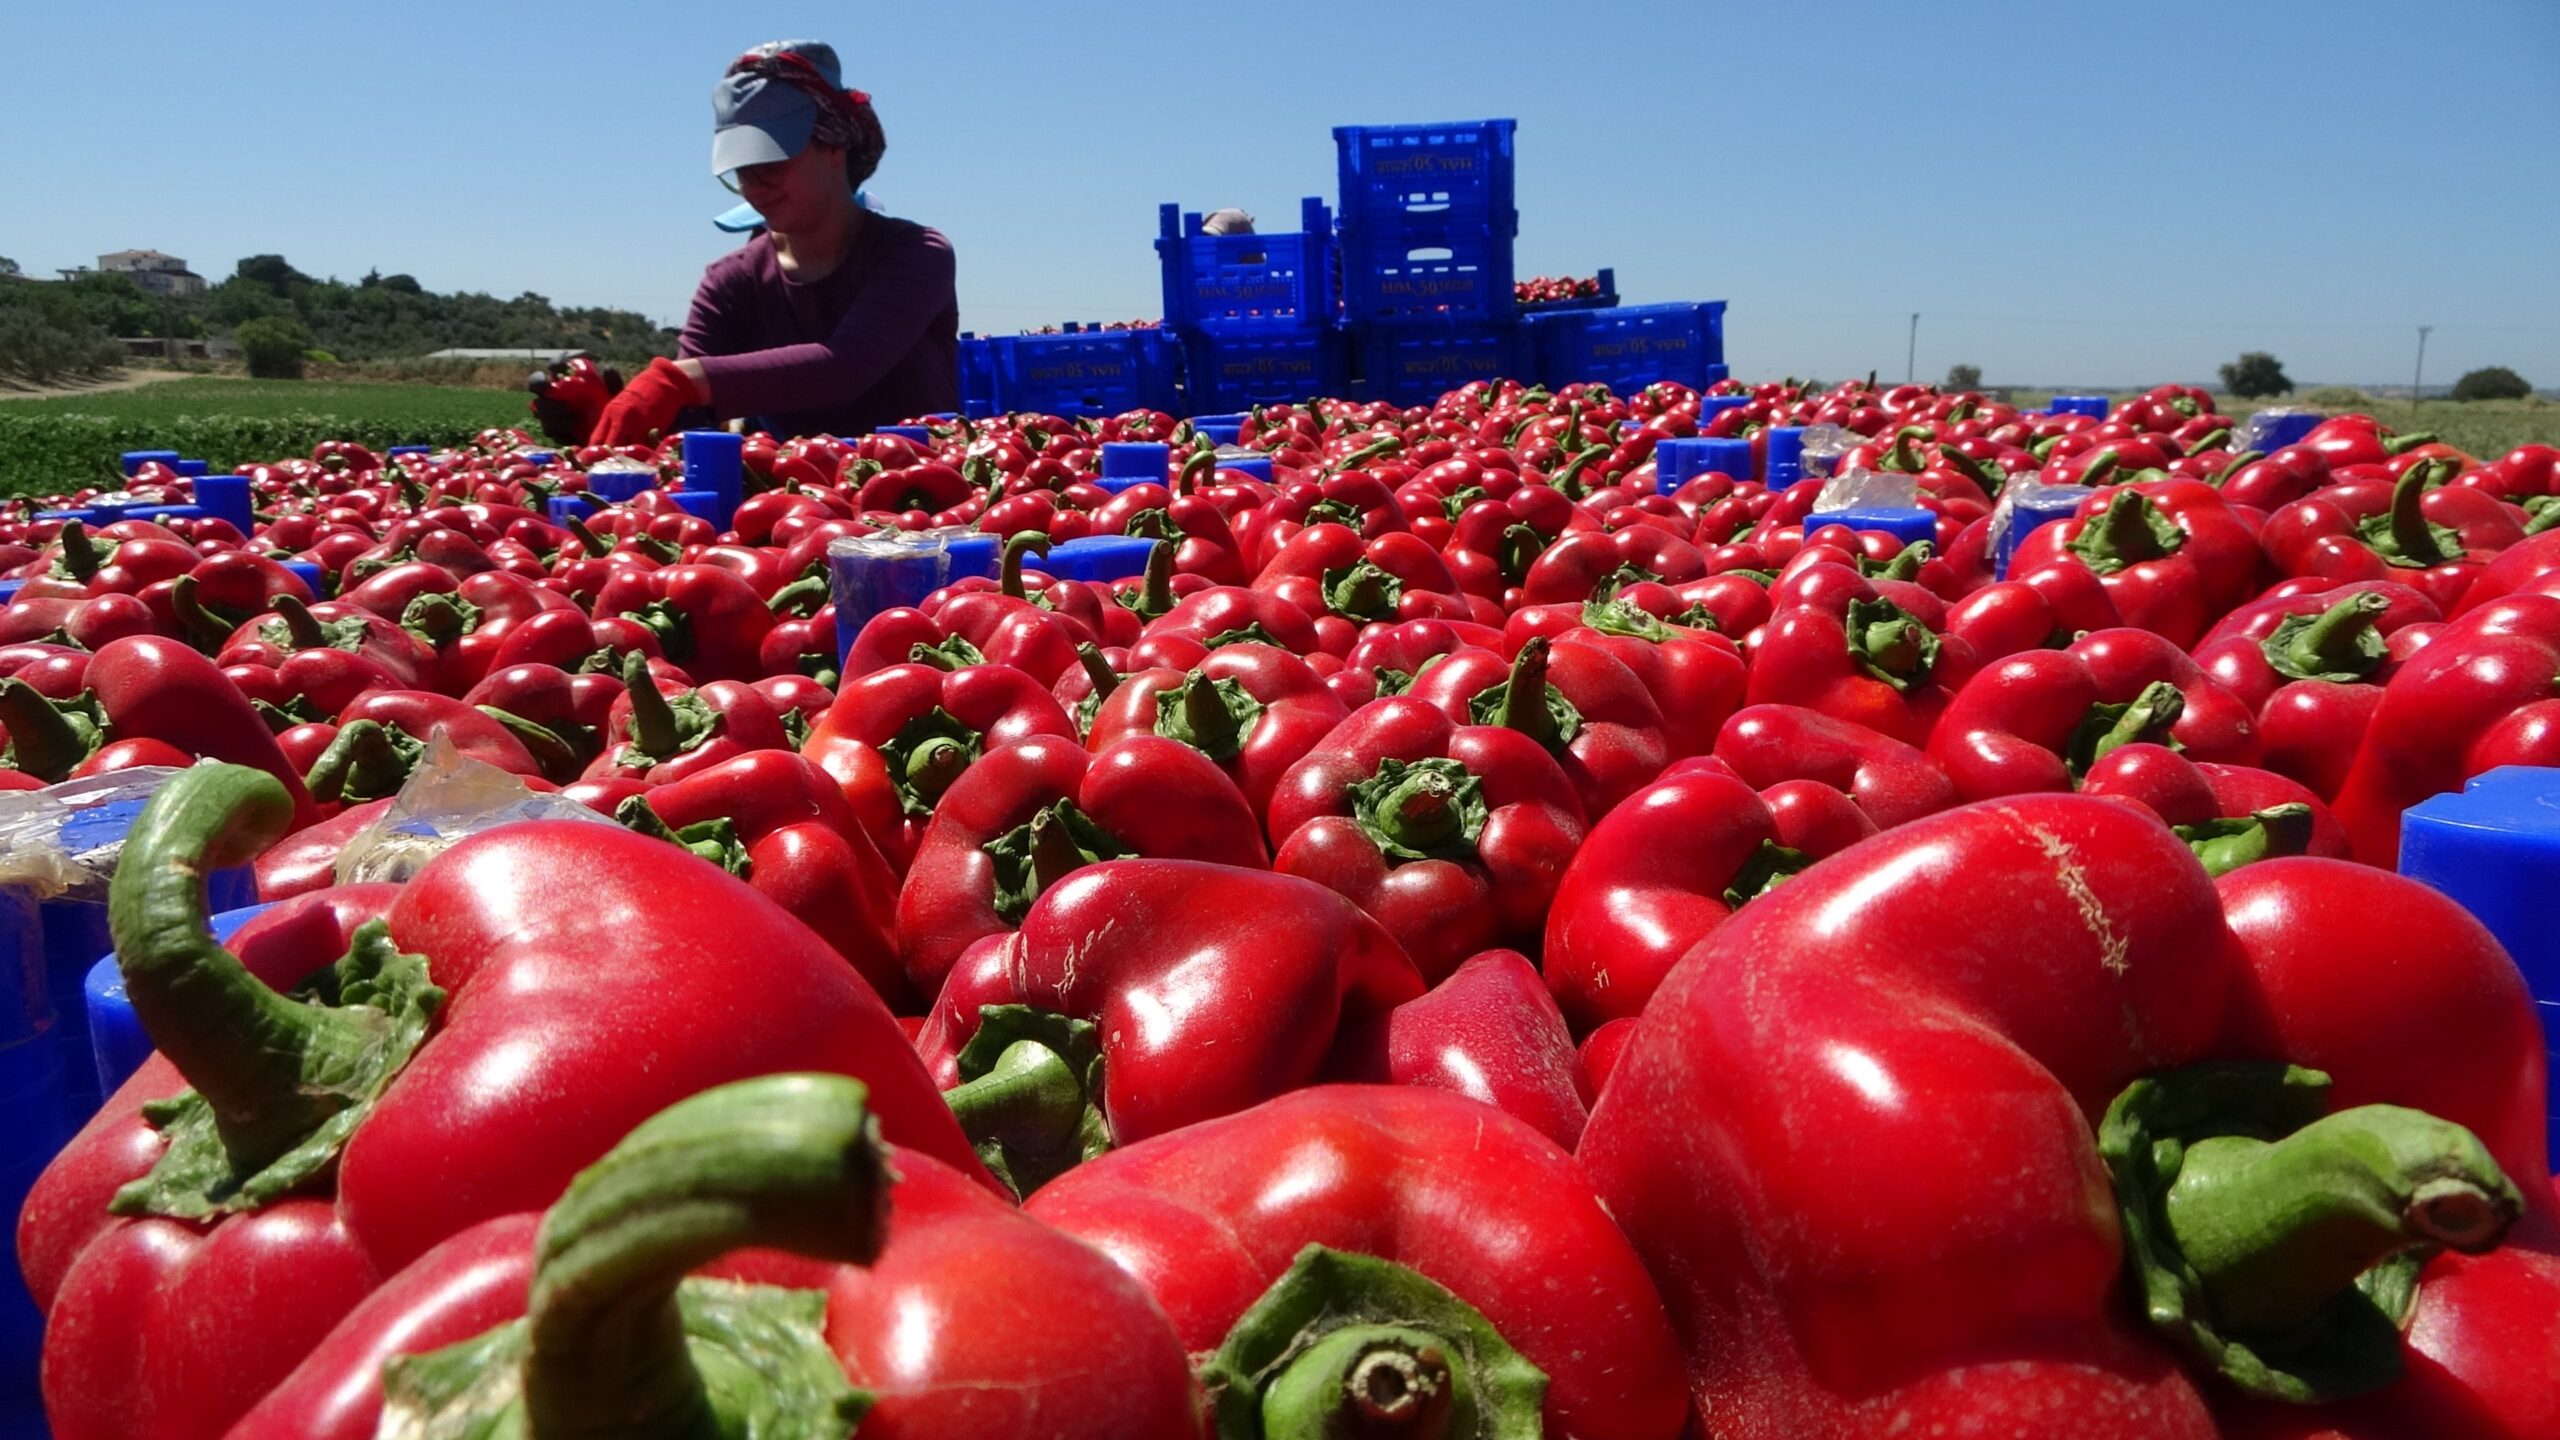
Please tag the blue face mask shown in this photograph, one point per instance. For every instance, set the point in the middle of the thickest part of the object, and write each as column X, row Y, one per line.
column 742, row 218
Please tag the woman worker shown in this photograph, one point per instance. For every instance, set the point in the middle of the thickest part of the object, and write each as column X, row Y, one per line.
column 830, row 319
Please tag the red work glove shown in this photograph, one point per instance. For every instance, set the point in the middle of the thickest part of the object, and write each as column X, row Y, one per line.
column 570, row 396
column 647, row 406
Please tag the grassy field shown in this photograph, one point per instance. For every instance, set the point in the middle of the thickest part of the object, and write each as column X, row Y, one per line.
column 208, row 396
column 53, row 445
column 2486, row 428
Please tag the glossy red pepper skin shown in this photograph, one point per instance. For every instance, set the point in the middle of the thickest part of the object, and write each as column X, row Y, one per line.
column 2327, row 982
column 2477, row 697
column 1226, row 610
column 2214, row 725
column 152, row 689
column 801, row 848
column 2108, row 959
column 331, row 625
column 1578, row 564
column 1696, row 676
column 1457, row 882
column 2047, row 607
column 709, row 621
column 1614, row 744
column 1133, row 945
column 854, row 741
column 1209, row 1217
column 483, row 1120
column 1656, row 876
column 714, row 722
column 1855, row 655
column 2173, row 556
column 1489, row 1031
column 1344, row 581
column 1152, row 796
column 1285, row 708
column 952, row 1252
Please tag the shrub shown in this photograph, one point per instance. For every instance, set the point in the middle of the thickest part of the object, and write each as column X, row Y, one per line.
column 274, row 347
column 2256, row 374
column 2495, row 383
column 1964, row 377
column 2338, row 397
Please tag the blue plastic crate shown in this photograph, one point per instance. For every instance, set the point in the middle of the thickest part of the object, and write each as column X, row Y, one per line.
column 1428, row 270
column 1221, row 282
column 1459, row 169
column 1416, row 364
column 977, row 376
column 1088, row 372
column 1607, row 299
column 1630, row 348
column 1230, row 370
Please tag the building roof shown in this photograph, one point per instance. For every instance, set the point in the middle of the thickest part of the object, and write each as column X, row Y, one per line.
column 545, row 356
column 137, row 255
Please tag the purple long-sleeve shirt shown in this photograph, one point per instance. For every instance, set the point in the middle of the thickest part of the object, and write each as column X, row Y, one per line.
column 874, row 342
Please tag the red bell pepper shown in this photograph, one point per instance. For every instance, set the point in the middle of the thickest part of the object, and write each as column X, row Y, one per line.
column 2038, row 720
column 897, row 738
column 1494, row 540
column 707, row 620
column 2212, row 725
column 294, row 628
column 1223, row 614
column 1452, row 836
column 1141, row 996
column 779, row 823
column 1656, row 875
column 1025, row 816
column 1857, row 656
column 1489, row 1031
column 1891, row 782
column 2047, row 607
column 1907, row 1105
column 2477, row 697
column 1592, row 713
column 2418, row 529
column 1404, row 1234
column 661, row 737
column 1343, row 582
column 2172, row 555
column 1592, row 564
column 149, row 701
column 1696, row 676
column 854, row 1238
column 2313, row 667
column 465, row 1078
column 1253, row 709
column 2230, row 815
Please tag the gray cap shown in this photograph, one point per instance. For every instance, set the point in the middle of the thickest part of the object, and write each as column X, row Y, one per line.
column 756, row 119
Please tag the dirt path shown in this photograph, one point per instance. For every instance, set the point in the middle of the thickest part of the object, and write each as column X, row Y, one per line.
column 125, row 380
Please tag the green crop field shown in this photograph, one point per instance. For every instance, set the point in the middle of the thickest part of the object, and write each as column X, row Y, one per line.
column 60, row 443
column 2486, row 428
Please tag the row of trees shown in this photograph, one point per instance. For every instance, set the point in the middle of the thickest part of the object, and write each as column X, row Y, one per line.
column 2258, row 374
column 277, row 311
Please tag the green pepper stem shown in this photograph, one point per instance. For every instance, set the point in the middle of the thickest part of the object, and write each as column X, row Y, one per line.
column 2339, row 641
column 933, row 765
column 187, row 600
column 1098, row 670
column 43, row 740
column 80, row 554
column 365, row 760
column 2411, row 535
column 1032, row 1102
column 2276, row 1230
column 653, row 721
column 1524, row 703
column 790, row 599
column 790, row 1162
column 1009, row 571
column 1158, row 594
column 241, row 1045
column 1370, row 1382
column 594, row 543
column 300, row 625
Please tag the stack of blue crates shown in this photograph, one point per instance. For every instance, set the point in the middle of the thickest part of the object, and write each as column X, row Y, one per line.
column 1429, row 214
column 1630, row 348
column 1083, row 370
column 1254, row 314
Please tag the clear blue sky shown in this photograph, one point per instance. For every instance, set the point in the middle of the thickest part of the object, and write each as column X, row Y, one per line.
column 2080, row 193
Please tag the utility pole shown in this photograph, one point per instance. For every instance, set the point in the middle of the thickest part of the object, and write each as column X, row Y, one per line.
column 2416, row 379
column 1911, row 352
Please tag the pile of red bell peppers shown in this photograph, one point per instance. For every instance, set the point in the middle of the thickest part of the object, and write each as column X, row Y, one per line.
column 1467, row 944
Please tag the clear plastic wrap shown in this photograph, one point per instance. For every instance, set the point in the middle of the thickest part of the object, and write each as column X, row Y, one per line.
column 64, row 840
column 448, row 799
